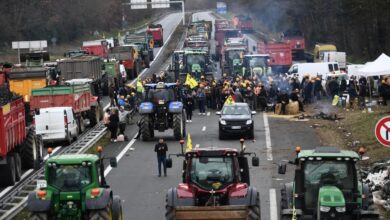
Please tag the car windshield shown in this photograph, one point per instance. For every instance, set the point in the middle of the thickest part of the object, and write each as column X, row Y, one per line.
column 212, row 172
column 339, row 173
column 235, row 110
column 70, row 177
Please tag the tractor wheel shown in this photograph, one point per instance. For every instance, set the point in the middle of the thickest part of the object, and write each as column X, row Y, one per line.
column 38, row 216
column 8, row 172
column 178, row 126
column 169, row 211
column 283, row 198
column 145, row 128
column 254, row 211
column 117, row 208
column 18, row 166
column 101, row 214
column 80, row 124
column 31, row 151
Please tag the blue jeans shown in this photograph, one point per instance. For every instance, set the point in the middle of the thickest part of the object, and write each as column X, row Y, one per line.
column 202, row 106
column 161, row 160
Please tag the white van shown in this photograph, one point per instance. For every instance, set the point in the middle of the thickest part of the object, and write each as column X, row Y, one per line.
column 313, row 69
column 56, row 124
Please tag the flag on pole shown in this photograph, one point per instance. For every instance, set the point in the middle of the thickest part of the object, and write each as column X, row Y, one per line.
column 189, row 143
column 229, row 100
column 191, row 81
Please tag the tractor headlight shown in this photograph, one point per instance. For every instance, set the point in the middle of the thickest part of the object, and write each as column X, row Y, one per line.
column 340, row 209
column 324, row 208
column 223, row 122
column 249, row 122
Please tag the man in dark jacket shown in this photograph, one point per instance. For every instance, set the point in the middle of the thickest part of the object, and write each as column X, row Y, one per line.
column 161, row 149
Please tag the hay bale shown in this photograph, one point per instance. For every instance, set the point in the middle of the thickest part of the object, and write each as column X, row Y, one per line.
column 292, row 108
column 278, row 109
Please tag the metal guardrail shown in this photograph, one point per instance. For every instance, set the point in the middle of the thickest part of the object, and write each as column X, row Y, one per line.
column 15, row 200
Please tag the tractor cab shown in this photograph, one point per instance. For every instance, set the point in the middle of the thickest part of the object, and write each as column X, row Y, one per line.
column 256, row 64
column 196, row 62
column 326, row 184
column 234, row 58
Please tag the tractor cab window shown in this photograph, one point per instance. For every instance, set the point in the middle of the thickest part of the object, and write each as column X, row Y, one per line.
column 157, row 95
column 257, row 62
column 235, row 54
column 338, row 173
column 212, row 172
column 70, row 177
column 196, row 59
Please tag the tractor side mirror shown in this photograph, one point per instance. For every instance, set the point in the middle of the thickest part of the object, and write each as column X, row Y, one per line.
column 255, row 161
column 113, row 162
column 168, row 162
column 282, row 168
column 253, row 112
column 218, row 113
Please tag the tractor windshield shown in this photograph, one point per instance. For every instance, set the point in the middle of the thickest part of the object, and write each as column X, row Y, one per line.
column 194, row 59
column 212, row 173
column 235, row 54
column 338, row 173
column 257, row 62
column 70, row 177
column 159, row 95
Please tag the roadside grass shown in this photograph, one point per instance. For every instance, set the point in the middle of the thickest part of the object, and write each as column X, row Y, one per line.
column 104, row 141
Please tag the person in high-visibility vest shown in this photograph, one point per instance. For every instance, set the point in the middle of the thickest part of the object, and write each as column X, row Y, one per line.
column 151, row 43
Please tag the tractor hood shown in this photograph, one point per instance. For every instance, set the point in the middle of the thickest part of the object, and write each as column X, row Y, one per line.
column 331, row 196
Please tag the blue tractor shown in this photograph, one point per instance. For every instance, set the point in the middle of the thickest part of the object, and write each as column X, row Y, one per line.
column 161, row 111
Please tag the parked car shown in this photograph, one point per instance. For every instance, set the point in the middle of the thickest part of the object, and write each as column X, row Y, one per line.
column 56, row 124
column 236, row 119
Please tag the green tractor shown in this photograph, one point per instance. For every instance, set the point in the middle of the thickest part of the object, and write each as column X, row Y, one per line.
column 75, row 189
column 326, row 186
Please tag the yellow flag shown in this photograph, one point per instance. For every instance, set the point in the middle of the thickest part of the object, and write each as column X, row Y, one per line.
column 229, row 100
column 191, row 81
column 140, row 87
column 189, row 143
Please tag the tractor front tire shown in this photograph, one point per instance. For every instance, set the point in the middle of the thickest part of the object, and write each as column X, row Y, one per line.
column 38, row 216
column 178, row 126
column 101, row 214
column 145, row 128
column 169, row 211
column 117, row 208
column 254, row 211
column 8, row 172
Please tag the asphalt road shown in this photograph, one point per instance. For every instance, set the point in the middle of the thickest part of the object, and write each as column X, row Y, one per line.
column 143, row 192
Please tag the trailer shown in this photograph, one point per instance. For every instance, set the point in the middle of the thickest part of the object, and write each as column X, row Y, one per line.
column 244, row 23
column 20, row 147
column 296, row 40
column 280, row 55
column 129, row 57
column 157, row 32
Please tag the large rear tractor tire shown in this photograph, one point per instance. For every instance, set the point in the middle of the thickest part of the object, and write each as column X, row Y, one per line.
column 169, row 211
column 8, row 172
column 145, row 128
column 117, row 208
column 38, row 216
column 254, row 211
column 101, row 214
column 31, row 151
column 178, row 126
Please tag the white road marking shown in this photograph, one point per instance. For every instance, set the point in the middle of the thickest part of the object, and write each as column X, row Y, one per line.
column 204, row 128
column 267, row 137
column 273, row 205
column 121, row 154
column 208, row 113
column 197, row 146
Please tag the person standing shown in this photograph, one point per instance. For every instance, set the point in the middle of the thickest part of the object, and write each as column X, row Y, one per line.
column 202, row 100
column 106, row 118
column 161, row 149
column 122, row 120
column 114, row 123
column 189, row 104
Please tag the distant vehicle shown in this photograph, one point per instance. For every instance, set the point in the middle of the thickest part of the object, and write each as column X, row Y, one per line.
column 280, row 55
column 299, row 70
column 244, row 23
column 236, row 119
column 334, row 56
column 157, row 33
column 256, row 65
column 320, row 49
column 56, row 124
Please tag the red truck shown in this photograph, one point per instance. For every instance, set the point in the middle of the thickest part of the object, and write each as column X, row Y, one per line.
column 280, row 55
column 129, row 57
column 157, row 33
column 223, row 30
column 243, row 23
column 20, row 147
column 296, row 41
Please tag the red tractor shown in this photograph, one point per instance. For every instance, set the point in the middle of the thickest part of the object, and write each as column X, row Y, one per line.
column 215, row 181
